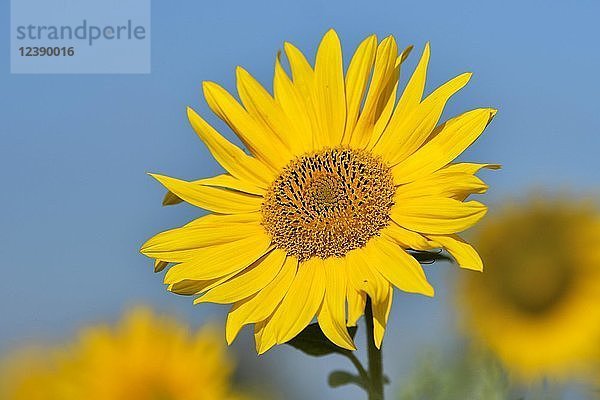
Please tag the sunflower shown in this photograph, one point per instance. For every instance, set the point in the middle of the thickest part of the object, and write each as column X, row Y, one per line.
column 537, row 305
column 27, row 374
column 340, row 181
column 146, row 357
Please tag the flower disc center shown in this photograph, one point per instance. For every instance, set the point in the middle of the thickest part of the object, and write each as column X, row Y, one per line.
column 538, row 284
column 328, row 203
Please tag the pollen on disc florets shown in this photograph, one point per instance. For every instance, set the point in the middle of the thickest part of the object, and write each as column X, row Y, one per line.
column 327, row 203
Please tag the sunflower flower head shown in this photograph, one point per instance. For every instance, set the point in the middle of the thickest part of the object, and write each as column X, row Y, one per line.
column 341, row 178
column 146, row 357
column 537, row 305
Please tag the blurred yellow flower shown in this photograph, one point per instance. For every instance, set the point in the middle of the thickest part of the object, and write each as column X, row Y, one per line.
column 146, row 357
column 537, row 304
column 29, row 374
column 341, row 180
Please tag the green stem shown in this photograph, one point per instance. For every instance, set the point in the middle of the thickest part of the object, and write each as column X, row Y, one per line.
column 375, row 361
column 359, row 368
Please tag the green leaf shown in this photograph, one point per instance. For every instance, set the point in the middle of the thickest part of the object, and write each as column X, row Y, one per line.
column 341, row 378
column 429, row 257
column 313, row 341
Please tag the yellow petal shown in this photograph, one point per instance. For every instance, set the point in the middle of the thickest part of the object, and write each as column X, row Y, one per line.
column 189, row 287
column 261, row 305
column 267, row 112
column 437, row 215
column 216, row 261
column 464, row 254
column 336, row 333
column 384, row 71
column 356, row 304
column 410, row 99
column 231, row 157
column 182, row 244
column 470, row 168
column 217, row 220
column 381, row 313
column 225, row 181
column 407, row 132
column 302, row 300
column 385, row 74
column 442, row 183
column 451, row 139
column 413, row 93
column 294, row 105
column 363, row 277
column 332, row 313
column 330, row 90
column 304, row 81
column 248, row 282
column 397, row 266
column 210, row 198
column 264, row 335
column 386, row 112
column 387, row 108
column 263, row 144
column 357, row 78
column 302, row 72
column 404, row 55
column 159, row 265
column 405, row 238
column 171, row 199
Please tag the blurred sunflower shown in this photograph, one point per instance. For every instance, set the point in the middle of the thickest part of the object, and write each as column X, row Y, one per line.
column 146, row 357
column 537, row 305
column 28, row 374
column 341, row 180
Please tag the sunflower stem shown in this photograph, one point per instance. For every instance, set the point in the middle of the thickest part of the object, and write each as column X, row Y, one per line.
column 375, row 387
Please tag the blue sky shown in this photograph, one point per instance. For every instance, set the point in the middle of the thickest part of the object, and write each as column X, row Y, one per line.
column 77, row 204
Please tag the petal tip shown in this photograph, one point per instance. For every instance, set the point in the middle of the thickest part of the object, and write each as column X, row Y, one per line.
column 389, row 38
column 241, row 73
column 208, row 87
column 493, row 113
column 378, row 342
column 190, row 112
column 406, row 52
column 331, row 33
column 158, row 177
column 159, row 266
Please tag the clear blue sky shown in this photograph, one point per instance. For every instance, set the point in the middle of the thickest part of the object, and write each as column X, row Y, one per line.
column 76, row 202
